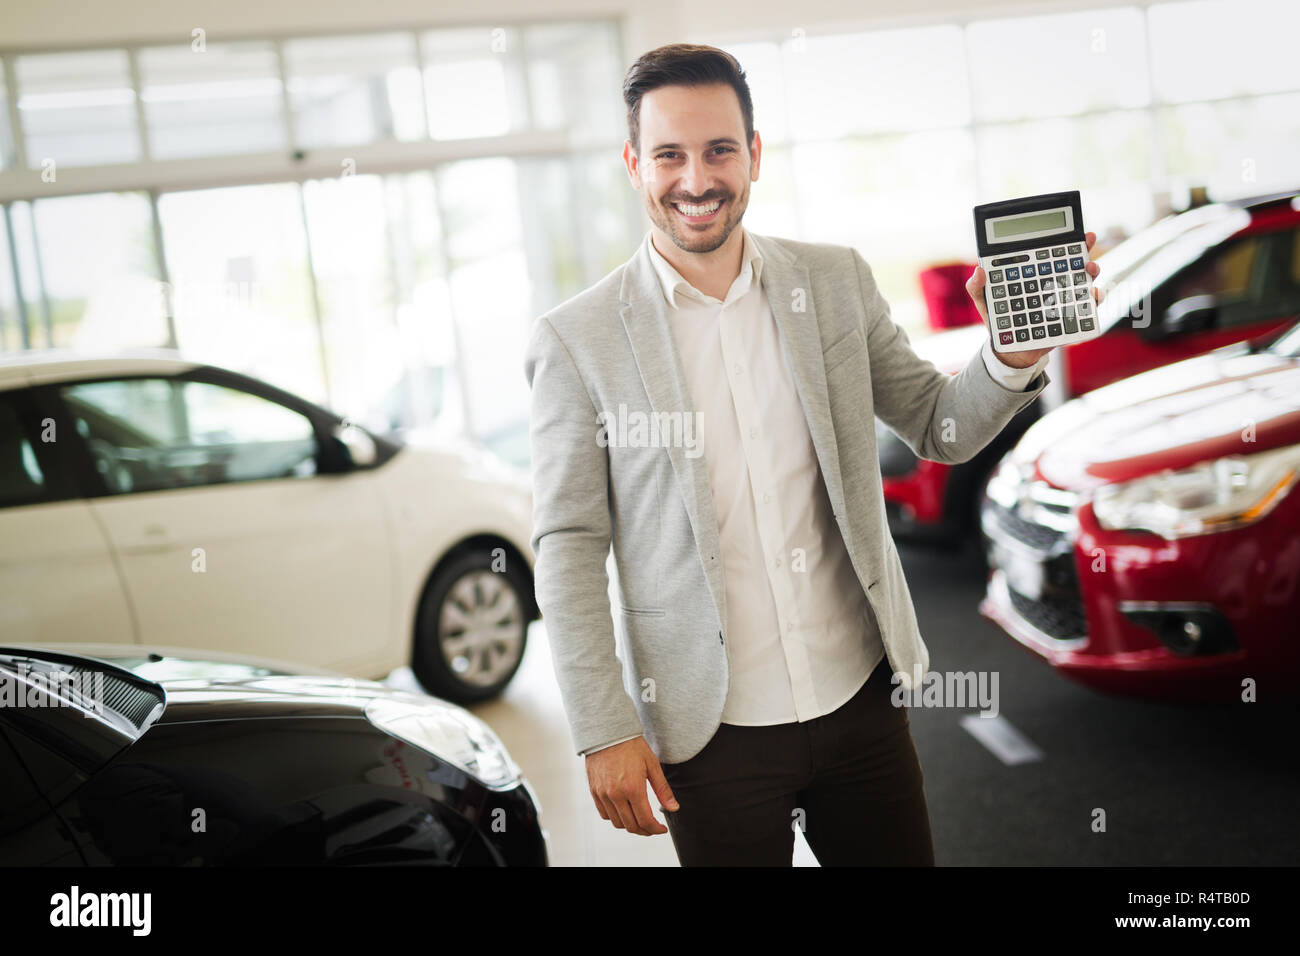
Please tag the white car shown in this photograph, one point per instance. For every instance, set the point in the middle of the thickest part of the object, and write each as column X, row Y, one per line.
column 146, row 499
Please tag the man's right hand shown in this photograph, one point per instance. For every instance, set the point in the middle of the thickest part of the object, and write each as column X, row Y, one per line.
column 617, row 777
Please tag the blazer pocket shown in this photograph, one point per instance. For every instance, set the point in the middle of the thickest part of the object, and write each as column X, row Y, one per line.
column 846, row 346
column 643, row 611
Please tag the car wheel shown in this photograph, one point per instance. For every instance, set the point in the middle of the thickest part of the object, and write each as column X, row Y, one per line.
column 471, row 629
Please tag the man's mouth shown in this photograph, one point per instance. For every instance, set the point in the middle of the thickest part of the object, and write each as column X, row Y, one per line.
column 697, row 213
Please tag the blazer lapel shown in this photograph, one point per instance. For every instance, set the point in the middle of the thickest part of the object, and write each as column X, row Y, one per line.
column 783, row 277
column 645, row 317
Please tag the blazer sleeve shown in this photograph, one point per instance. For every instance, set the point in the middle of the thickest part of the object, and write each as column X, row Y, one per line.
column 944, row 418
column 570, row 541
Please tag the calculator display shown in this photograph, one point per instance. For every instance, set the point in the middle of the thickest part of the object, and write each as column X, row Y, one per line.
column 1039, row 222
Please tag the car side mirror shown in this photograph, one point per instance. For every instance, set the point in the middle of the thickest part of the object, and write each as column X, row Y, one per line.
column 1196, row 313
column 358, row 444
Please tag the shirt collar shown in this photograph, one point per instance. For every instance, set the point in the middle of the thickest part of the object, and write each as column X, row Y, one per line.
column 673, row 285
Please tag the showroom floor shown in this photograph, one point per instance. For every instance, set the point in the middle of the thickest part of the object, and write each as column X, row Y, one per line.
column 1181, row 785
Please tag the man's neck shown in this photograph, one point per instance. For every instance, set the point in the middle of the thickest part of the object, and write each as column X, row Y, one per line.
column 710, row 272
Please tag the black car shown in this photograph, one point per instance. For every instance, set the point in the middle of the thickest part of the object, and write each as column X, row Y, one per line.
column 143, row 758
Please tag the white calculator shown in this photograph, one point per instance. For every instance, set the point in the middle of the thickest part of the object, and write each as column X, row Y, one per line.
column 1037, row 291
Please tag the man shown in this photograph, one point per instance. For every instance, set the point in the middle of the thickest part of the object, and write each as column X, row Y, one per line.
column 707, row 409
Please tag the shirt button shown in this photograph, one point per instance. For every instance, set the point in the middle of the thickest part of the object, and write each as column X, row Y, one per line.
column 753, row 433
column 738, row 367
column 766, row 499
column 777, row 562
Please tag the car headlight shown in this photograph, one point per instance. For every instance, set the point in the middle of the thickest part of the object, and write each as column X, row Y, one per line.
column 1211, row 496
column 448, row 733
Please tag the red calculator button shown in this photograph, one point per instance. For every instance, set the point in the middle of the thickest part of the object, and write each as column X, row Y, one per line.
column 1006, row 338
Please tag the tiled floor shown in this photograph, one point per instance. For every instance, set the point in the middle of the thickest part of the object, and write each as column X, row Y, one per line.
column 529, row 719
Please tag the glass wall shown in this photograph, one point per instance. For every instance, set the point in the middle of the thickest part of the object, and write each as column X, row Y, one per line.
column 885, row 139
column 398, row 291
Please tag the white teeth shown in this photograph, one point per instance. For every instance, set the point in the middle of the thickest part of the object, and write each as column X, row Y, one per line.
column 704, row 210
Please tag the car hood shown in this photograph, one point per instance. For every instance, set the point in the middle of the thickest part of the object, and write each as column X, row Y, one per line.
column 206, row 685
column 1167, row 418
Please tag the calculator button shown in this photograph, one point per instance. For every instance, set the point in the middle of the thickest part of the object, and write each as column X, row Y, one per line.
column 1061, row 265
column 1070, row 326
column 995, row 275
column 1038, row 331
column 1018, row 304
column 1075, row 249
column 1081, row 293
column 1080, row 278
column 1044, row 268
column 1068, row 311
column 1036, row 316
column 1019, row 319
column 1040, row 254
column 1005, row 338
column 1076, row 262
column 1022, row 335
column 1031, row 285
column 1085, row 307
column 1058, row 251
column 1013, row 273
column 1049, row 298
column 1013, row 288
column 1004, row 321
column 999, row 292
column 1000, row 307
column 1086, row 325
column 1053, row 329
column 1053, row 313
column 1034, row 301
column 1062, row 281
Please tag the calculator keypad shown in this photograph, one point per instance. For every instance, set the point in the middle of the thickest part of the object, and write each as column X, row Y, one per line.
column 1043, row 299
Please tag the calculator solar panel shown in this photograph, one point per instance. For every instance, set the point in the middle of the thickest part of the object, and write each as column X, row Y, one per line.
column 1037, row 290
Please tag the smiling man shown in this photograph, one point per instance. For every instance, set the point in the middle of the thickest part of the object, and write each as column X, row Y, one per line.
column 762, row 614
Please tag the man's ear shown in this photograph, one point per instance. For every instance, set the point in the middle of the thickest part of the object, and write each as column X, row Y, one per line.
column 755, row 156
column 633, row 164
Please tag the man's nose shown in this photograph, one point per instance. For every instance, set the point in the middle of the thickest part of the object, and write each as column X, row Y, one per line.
column 695, row 177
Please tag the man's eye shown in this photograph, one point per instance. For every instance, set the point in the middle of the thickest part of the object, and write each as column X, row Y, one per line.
column 665, row 156
column 726, row 149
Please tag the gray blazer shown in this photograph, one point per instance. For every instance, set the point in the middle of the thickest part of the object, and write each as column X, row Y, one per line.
column 611, row 345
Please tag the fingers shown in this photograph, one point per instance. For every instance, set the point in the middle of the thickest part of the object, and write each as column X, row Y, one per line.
column 1091, row 239
column 659, row 784
column 975, row 289
column 647, row 824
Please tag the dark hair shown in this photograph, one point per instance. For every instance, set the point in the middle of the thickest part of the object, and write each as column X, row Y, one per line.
column 683, row 64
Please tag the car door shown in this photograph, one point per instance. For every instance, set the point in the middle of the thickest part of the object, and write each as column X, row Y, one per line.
column 231, row 530
column 58, row 580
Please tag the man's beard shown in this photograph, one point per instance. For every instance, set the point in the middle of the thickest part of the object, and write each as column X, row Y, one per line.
column 684, row 237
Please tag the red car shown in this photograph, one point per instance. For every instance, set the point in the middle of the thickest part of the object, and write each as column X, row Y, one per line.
column 1188, row 284
column 1145, row 539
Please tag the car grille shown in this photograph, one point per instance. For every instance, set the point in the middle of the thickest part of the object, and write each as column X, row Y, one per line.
column 1058, row 612
column 1060, row 619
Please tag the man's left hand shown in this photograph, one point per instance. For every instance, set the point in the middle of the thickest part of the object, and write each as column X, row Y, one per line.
column 975, row 287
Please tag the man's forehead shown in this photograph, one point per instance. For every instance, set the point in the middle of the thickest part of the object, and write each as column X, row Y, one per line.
column 702, row 113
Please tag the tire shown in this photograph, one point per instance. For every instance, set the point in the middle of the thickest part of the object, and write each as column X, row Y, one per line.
column 472, row 629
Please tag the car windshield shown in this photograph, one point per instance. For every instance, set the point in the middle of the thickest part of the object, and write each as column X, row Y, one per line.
column 1288, row 346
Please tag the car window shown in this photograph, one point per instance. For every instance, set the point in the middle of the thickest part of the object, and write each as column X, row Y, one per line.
column 1295, row 259
column 1224, row 273
column 23, row 481
column 153, row 434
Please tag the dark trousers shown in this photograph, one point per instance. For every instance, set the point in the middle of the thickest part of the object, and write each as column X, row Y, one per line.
column 850, row 780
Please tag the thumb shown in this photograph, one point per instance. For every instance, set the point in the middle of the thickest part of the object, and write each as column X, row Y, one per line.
column 659, row 784
column 976, row 280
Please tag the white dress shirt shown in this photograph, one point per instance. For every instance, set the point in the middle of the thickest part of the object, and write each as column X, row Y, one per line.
column 802, row 639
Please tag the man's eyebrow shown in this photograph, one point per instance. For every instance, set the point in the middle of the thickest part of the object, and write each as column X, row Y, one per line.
column 713, row 142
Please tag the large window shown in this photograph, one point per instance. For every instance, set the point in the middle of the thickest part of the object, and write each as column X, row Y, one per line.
column 885, row 139
column 412, row 199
